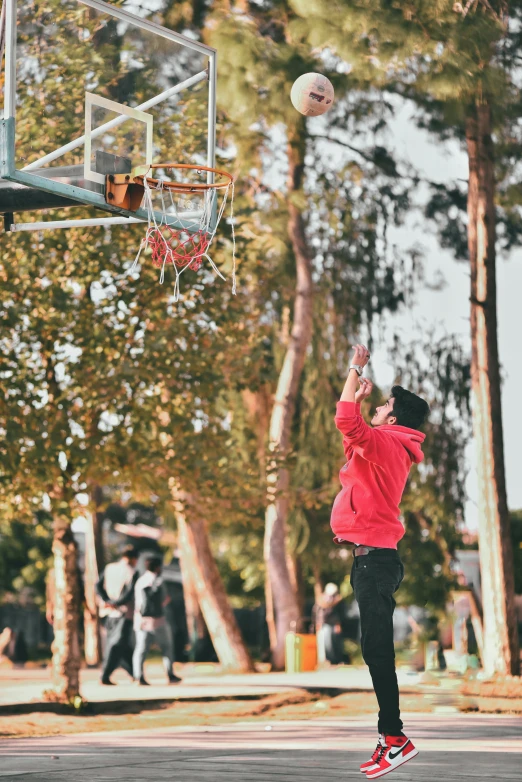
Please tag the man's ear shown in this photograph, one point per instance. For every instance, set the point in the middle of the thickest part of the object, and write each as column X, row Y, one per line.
column 392, row 420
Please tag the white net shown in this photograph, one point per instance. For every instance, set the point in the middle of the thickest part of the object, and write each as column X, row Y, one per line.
column 181, row 238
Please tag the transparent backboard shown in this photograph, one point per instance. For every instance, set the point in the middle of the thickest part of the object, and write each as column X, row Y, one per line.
column 101, row 90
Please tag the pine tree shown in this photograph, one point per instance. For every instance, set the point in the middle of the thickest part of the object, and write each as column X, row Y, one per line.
column 263, row 49
column 459, row 63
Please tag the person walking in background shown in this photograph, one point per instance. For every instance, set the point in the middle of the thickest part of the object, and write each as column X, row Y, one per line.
column 366, row 516
column 150, row 623
column 327, row 617
column 115, row 589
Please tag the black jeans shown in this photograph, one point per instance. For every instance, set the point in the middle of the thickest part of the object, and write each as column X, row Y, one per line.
column 374, row 578
column 118, row 647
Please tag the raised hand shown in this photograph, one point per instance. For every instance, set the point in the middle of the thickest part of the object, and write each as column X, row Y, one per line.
column 364, row 390
column 361, row 355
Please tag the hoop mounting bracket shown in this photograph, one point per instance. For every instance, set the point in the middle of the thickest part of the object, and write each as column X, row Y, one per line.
column 122, row 191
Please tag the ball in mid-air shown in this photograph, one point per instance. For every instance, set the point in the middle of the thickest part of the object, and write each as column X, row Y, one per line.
column 312, row 94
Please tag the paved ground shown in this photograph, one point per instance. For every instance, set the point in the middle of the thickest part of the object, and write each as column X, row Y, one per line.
column 27, row 685
column 454, row 748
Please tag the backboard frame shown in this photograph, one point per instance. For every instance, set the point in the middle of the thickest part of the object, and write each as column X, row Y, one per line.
column 28, row 176
column 98, row 101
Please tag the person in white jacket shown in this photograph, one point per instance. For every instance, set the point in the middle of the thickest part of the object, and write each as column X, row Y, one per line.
column 115, row 590
column 150, row 599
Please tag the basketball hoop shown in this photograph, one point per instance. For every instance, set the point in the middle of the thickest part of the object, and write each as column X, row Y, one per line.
column 185, row 187
column 176, row 238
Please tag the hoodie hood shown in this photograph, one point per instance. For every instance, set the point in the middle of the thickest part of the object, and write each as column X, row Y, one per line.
column 410, row 439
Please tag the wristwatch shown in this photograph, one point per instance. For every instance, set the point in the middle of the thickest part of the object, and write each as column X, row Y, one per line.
column 357, row 368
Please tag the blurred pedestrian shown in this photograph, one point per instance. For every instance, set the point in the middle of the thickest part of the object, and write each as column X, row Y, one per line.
column 150, row 623
column 116, row 590
column 327, row 617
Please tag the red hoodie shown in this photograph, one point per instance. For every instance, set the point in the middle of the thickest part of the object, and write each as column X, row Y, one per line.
column 366, row 510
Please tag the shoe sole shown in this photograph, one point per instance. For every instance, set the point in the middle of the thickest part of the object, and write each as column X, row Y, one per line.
column 410, row 756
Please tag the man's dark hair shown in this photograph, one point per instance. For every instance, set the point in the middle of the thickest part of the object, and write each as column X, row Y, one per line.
column 130, row 553
column 153, row 564
column 409, row 409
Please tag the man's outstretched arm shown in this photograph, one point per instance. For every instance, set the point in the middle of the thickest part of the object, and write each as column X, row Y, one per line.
column 357, row 435
column 359, row 360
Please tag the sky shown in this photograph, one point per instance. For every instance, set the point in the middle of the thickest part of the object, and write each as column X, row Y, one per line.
column 448, row 310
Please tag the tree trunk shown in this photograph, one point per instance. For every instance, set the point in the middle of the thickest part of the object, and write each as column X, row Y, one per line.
column 66, row 648
column 94, row 564
column 295, row 570
column 285, row 602
column 501, row 653
column 196, row 628
column 318, row 583
column 476, row 618
column 258, row 405
column 269, row 613
column 211, row 595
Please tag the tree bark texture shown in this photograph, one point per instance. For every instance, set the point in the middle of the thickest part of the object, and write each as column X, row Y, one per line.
column 208, row 585
column 318, row 582
column 66, row 648
column 94, row 564
column 196, row 628
column 476, row 618
column 258, row 405
column 285, row 601
column 295, row 570
column 269, row 612
column 501, row 653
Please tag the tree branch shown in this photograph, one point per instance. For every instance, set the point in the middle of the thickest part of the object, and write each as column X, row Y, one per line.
column 370, row 159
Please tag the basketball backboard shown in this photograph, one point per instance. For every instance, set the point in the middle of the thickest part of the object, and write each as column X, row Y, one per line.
column 93, row 88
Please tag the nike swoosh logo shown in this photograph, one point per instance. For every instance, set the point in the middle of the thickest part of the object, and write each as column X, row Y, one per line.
column 401, row 749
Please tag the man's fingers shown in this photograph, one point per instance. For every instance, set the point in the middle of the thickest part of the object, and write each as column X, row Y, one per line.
column 366, row 387
column 362, row 351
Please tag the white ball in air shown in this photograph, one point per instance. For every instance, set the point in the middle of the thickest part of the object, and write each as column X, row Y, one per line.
column 312, row 94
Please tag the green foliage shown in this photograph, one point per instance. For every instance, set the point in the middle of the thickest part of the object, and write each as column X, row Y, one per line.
column 433, row 505
column 446, row 58
column 105, row 377
column 25, row 557
column 106, row 380
column 347, row 208
column 447, row 207
column 239, row 555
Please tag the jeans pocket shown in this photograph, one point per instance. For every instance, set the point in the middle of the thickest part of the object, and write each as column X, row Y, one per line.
column 387, row 571
column 386, row 589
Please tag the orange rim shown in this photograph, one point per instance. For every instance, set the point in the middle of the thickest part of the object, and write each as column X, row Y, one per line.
column 186, row 187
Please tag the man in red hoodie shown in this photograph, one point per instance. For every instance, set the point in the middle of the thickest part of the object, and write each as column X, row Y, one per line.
column 366, row 516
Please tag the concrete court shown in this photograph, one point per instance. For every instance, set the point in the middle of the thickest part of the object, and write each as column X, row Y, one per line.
column 23, row 686
column 453, row 748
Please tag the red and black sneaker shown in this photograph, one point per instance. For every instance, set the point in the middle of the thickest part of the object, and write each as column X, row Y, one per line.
column 395, row 751
column 373, row 760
